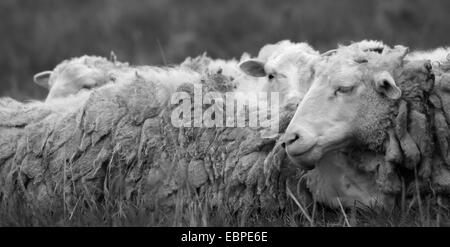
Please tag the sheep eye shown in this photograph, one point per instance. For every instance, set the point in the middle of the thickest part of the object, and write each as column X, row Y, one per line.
column 344, row 90
column 271, row 76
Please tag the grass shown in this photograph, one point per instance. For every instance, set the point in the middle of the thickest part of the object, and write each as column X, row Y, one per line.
column 198, row 212
column 189, row 208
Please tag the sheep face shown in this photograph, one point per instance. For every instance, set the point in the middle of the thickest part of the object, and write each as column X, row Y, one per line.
column 284, row 67
column 282, row 79
column 74, row 79
column 73, row 76
column 349, row 97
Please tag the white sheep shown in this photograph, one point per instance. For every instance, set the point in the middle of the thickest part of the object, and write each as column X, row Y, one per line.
column 439, row 55
column 284, row 67
column 206, row 64
column 76, row 74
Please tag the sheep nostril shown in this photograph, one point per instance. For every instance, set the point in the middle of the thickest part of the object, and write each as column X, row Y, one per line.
column 289, row 139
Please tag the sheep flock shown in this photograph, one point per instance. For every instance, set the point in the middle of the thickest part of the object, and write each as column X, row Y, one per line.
column 105, row 138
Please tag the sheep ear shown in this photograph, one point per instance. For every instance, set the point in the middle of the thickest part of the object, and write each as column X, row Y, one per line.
column 253, row 67
column 328, row 53
column 385, row 84
column 42, row 79
column 398, row 53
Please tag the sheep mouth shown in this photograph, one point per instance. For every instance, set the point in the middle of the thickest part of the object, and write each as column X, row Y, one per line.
column 309, row 158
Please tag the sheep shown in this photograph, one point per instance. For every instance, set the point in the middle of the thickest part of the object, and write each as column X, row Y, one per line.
column 283, row 67
column 355, row 105
column 335, row 176
column 205, row 64
column 439, row 55
column 76, row 74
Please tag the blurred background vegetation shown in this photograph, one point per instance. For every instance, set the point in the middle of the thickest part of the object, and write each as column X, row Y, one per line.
column 37, row 35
